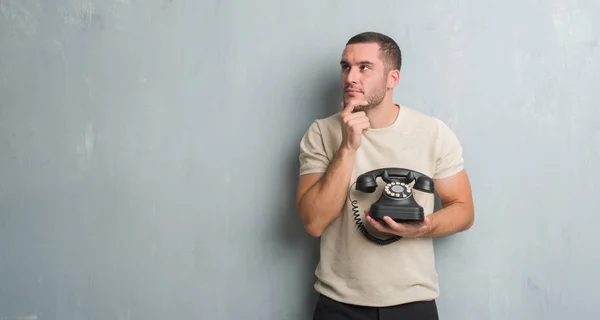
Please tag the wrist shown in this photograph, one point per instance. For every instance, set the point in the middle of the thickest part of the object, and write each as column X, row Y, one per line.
column 431, row 227
column 346, row 152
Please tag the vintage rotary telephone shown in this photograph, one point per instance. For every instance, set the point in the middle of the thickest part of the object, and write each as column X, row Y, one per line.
column 396, row 200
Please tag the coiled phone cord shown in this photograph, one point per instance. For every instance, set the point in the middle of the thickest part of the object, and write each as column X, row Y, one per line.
column 361, row 227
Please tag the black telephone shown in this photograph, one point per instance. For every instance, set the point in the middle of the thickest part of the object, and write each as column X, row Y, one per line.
column 396, row 200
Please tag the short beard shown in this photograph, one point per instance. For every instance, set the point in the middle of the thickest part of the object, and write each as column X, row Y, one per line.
column 374, row 99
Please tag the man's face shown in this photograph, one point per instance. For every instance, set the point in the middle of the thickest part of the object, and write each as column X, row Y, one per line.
column 363, row 75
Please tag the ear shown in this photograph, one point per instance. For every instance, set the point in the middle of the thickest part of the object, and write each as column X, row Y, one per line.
column 393, row 78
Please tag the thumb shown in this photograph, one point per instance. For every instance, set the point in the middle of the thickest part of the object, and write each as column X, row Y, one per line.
column 346, row 109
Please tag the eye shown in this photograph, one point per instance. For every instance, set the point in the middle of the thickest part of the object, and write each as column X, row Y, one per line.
column 364, row 67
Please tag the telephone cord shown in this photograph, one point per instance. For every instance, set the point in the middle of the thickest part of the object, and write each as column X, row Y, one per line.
column 361, row 227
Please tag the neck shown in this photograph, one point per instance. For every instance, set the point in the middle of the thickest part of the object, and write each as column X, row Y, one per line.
column 383, row 115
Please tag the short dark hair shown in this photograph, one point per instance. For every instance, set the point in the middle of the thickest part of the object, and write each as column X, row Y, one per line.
column 389, row 48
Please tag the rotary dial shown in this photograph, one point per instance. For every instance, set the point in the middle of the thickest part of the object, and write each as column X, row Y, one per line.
column 398, row 190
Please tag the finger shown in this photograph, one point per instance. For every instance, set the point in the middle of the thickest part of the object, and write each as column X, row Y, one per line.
column 378, row 225
column 358, row 117
column 359, row 103
column 355, row 115
column 409, row 228
column 359, row 128
column 348, row 108
column 361, row 123
column 393, row 224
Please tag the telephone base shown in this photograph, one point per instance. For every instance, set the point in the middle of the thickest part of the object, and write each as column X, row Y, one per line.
column 398, row 214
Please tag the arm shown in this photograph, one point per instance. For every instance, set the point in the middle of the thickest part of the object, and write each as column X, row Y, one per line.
column 323, row 184
column 452, row 185
column 319, row 198
column 457, row 213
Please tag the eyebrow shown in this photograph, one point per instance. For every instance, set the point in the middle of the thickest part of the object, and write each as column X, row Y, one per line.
column 360, row 62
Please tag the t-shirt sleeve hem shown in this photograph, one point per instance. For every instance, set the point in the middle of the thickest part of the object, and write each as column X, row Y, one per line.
column 313, row 157
column 449, row 172
column 312, row 170
column 449, row 153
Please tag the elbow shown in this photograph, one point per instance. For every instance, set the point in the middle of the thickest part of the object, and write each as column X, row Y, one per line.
column 470, row 221
column 311, row 226
column 313, row 230
column 469, row 225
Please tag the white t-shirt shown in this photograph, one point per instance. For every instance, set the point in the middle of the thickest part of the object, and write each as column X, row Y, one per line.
column 352, row 269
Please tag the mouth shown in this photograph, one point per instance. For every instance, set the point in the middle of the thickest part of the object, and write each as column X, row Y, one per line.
column 352, row 91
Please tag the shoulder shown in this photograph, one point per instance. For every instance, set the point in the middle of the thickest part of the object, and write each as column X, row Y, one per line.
column 332, row 122
column 444, row 145
column 325, row 128
column 318, row 144
column 419, row 122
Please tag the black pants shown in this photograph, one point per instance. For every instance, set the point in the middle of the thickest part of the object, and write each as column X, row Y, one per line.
column 329, row 309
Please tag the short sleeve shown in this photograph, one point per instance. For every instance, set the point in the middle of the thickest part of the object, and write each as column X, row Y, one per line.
column 313, row 158
column 449, row 152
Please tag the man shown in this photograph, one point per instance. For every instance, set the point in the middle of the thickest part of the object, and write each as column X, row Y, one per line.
column 358, row 278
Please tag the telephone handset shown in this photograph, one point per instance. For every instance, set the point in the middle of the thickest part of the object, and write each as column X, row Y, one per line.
column 396, row 200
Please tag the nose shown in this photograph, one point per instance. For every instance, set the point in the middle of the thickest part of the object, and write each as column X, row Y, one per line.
column 352, row 75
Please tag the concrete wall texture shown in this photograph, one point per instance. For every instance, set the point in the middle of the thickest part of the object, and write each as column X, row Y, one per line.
column 148, row 152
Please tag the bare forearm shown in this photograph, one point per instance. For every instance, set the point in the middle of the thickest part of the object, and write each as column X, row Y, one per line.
column 323, row 202
column 453, row 218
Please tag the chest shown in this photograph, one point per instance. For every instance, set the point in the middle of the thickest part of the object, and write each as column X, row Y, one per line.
column 401, row 151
